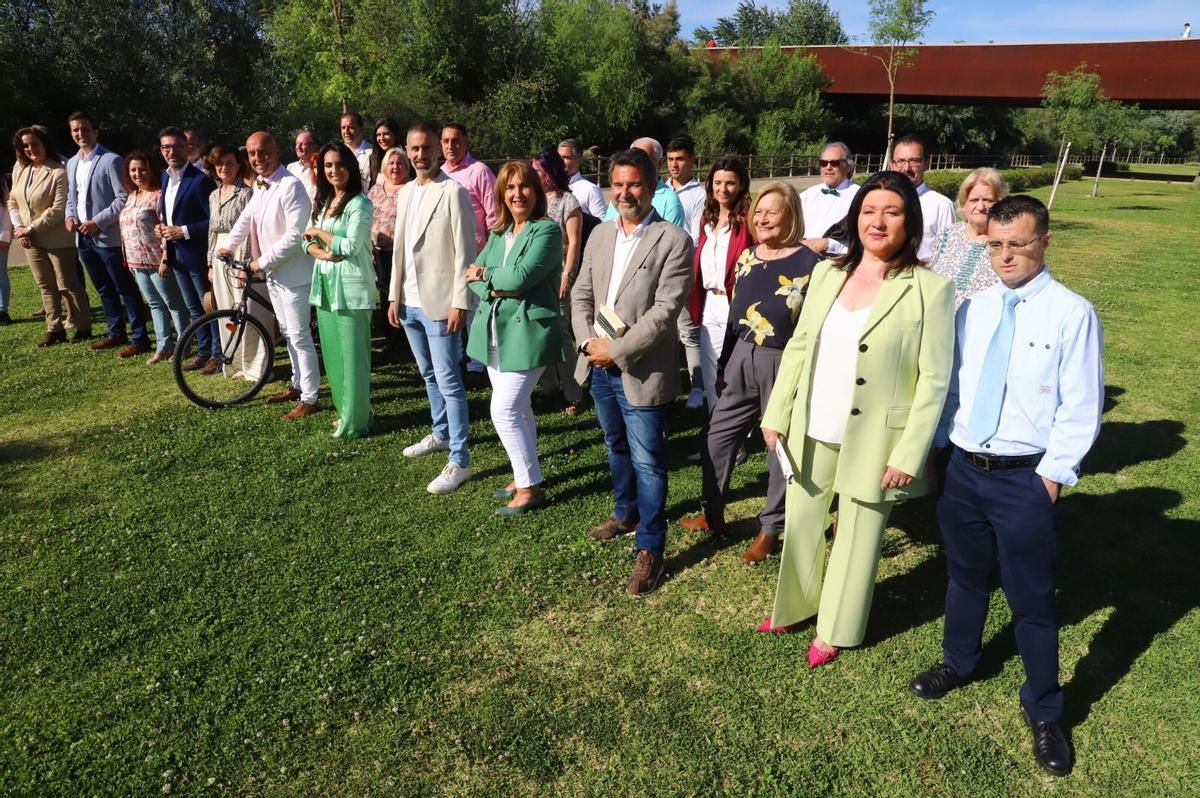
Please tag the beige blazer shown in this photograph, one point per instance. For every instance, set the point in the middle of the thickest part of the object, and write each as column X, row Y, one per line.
column 42, row 204
column 443, row 247
column 652, row 293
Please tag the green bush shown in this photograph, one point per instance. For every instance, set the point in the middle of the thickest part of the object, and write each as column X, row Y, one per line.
column 1019, row 180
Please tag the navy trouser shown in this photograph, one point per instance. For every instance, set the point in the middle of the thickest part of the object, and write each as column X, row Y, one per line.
column 637, row 458
column 1009, row 511
column 116, row 286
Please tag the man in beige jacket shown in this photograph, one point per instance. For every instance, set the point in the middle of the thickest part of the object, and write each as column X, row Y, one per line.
column 434, row 245
column 636, row 275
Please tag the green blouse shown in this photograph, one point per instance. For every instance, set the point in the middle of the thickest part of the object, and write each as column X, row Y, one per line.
column 347, row 284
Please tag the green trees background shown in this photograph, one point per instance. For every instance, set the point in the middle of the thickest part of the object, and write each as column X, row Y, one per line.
column 520, row 73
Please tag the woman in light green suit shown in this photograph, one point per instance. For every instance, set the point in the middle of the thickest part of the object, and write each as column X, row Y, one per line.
column 854, row 409
column 343, row 285
column 516, row 331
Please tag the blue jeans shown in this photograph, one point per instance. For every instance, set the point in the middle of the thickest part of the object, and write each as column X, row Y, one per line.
column 192, row 286
column 637, row 458
column 436, row 352
column 166, row 306
column 117, row 288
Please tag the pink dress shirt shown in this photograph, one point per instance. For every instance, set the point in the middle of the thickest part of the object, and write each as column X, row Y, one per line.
column 480, row 183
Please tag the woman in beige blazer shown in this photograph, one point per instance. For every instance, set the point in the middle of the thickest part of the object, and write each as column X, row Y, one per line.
column 37, row 207
column 854, row 408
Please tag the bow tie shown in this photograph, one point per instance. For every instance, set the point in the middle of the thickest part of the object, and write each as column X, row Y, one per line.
column 261, row 183
column 832, row 191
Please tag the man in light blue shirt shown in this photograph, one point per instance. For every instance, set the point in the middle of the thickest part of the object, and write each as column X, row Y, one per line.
column 1024, row 407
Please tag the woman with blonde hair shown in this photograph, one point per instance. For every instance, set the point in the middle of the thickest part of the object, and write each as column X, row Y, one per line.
column 770, row 280
column 37, row 208
column 960, row 253
column 516, row 330
column 854, row 408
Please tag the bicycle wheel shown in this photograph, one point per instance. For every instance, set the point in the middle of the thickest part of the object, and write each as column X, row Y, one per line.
column 246, row 357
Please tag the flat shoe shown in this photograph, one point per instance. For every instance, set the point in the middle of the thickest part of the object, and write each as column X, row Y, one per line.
column 538, row 500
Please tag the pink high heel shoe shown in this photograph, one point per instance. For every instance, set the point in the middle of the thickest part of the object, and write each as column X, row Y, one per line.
column 766, row 627
column 817, row 657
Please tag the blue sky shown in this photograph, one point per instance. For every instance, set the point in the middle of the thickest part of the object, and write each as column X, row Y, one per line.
column 1020, row 20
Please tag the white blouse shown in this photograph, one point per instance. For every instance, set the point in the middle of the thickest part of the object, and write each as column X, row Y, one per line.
column 832, row 392
column 713, row 257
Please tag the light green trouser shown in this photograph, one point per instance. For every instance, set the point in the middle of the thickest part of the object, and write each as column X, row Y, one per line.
column 842, row 603
column 346, row 350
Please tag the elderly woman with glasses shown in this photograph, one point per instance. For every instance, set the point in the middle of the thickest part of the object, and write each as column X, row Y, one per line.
column 960, row 252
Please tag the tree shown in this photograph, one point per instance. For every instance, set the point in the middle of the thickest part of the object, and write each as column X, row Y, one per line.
column 894, row 24
column 1083, row 115
column 805, row 22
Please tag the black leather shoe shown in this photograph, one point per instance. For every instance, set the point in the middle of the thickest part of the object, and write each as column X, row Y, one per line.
column 1050, row 746
column 935, row 682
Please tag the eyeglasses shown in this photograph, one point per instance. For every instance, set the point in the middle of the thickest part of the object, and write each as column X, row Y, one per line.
column 823, row 163
column 169, row 147
column 996, row 247
column 908, row 161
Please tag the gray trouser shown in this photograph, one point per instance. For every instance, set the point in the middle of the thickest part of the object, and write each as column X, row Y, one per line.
column 749, row 378
column 562, row 375
column 689, row 336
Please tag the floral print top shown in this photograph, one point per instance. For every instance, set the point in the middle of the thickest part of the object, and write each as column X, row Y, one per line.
column 383, row 223
column 143, row 249
column 768, row 295
column 964, row 261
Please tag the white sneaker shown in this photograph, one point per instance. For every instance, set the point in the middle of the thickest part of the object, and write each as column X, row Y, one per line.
column 695, row 399
column 451, row 477
column 427, row 445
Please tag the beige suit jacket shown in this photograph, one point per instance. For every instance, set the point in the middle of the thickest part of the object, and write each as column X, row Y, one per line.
column 443, row 247
column 42, row 204
column 651, row 295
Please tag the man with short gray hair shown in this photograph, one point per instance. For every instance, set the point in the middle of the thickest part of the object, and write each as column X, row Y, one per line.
column 826, row 204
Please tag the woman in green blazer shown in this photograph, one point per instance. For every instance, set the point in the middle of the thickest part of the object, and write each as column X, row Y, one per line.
column 516, row 329
column 343, row 285
column 854, row 409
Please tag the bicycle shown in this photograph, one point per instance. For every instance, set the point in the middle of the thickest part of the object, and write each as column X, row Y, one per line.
column 247, row 350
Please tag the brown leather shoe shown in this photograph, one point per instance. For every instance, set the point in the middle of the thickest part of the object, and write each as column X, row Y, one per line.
column 134, row 349
column 197, row 362
column 702, row 523
column 610, row 529
column 54, row 337
column 290, row 395
column 763, row 546
column 211, row 366
column 301, row 410
column 646, row 572
column 108, row 342
column 159, row 357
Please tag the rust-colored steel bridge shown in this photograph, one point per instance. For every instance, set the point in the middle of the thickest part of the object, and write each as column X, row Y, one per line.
column 1161, row 74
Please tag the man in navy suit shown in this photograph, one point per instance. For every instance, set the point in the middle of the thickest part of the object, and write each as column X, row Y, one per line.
column 184, row 209
column 95, row 195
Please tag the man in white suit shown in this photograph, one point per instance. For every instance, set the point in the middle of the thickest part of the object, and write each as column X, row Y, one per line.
column 274, row 220
column 434, row 243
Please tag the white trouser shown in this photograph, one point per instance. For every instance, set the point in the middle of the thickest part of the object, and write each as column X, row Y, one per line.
column 712, row 340
column 512, row 416
column 293, row 313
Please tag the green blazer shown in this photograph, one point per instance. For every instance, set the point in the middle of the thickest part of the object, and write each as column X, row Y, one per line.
column 346, row 284
column 528, row 330
column 905, row 354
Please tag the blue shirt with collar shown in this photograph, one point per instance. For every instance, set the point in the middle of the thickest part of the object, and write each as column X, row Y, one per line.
column 1054, row 391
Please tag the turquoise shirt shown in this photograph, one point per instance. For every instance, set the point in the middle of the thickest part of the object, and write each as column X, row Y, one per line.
column 665, row 201
column 347, row 284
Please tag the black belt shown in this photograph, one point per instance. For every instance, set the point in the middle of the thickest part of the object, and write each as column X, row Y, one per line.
column 1001, row 463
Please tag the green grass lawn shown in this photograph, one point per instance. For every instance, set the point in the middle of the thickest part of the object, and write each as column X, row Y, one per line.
column 203, row 602
column 1190, row 169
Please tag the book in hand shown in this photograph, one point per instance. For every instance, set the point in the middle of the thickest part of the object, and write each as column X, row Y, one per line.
column 787, row 463
column 608, row 324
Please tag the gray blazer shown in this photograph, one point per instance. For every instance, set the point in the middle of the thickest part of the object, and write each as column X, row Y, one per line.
column 652, row 293
column 106, row 195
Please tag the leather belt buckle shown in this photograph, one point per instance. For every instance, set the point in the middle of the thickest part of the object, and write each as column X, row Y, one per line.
column 980, row 461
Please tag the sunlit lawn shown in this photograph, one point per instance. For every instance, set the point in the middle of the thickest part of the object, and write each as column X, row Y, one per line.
column 218, row 602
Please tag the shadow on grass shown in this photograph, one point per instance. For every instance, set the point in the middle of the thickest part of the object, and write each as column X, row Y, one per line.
column 1136, row 208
